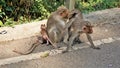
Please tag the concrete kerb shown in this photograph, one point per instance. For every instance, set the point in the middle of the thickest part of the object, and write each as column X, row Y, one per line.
column 21, row 31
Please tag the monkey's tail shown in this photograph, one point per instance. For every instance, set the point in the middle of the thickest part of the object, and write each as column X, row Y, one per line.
column 29, row 51
column 19, row 52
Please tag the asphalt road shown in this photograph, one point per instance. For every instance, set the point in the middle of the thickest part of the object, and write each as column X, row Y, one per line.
column 107, row 57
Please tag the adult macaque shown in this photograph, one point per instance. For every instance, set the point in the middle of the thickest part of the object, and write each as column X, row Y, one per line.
column 77, row 27
column 56, row 24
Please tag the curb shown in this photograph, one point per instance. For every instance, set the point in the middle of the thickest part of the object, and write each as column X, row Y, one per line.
column 21, row 31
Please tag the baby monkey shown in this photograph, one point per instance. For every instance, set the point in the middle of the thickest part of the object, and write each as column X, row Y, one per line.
column 44, row 34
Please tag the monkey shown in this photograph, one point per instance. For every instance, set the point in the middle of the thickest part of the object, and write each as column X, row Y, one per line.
column 78, row 27
column 44, row 34
column 56, row 24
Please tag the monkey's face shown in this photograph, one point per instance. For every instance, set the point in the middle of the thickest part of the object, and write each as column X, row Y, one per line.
column 87, row 29
column 65, row 13
column 43, row 26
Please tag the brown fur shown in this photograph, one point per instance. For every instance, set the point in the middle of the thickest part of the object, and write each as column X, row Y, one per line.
column 56, row 24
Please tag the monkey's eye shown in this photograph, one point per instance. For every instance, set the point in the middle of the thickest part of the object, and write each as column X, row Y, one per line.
column 84, row 28
column 63, row 11
column 61, row 14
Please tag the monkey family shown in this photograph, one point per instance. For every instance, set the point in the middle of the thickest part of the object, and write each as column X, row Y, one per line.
column 59, row 30
column 65, row 26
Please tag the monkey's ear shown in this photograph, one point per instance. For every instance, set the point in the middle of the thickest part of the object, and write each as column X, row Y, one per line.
column 84, row 28
column 72, row 15
column 60, row 13
column 44, row 24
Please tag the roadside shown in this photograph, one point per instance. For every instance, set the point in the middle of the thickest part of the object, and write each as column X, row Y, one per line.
column 107, row 24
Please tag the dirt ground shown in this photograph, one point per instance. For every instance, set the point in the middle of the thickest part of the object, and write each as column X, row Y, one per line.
column 21, row 37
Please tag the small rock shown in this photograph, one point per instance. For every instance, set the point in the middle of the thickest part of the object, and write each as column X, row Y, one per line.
column 44, row 54
column 116, row 38
column 106, row 30
column 98, row 42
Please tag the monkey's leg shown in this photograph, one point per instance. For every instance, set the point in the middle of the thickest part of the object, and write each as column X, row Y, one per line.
column 91, row 42
column 54, row 38
column 66, row 37
column 42, row 40
column 66, row 33
column 77, row 40
column 47, row 42
column 71, row 40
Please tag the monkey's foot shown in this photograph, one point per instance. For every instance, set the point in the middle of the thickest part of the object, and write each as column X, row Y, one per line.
column 47, row 44
column 64, row 51
column 67, row 50
column 56, row 47
column 94, row 47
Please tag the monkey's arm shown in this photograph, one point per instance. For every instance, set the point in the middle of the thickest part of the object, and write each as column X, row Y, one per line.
column 91, row 41
column 69, row 23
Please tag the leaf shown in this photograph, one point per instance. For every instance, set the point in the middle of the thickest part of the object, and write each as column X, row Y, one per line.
column 1, row 23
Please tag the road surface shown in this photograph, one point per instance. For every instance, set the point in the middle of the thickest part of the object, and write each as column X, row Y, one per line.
column 107, row 57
